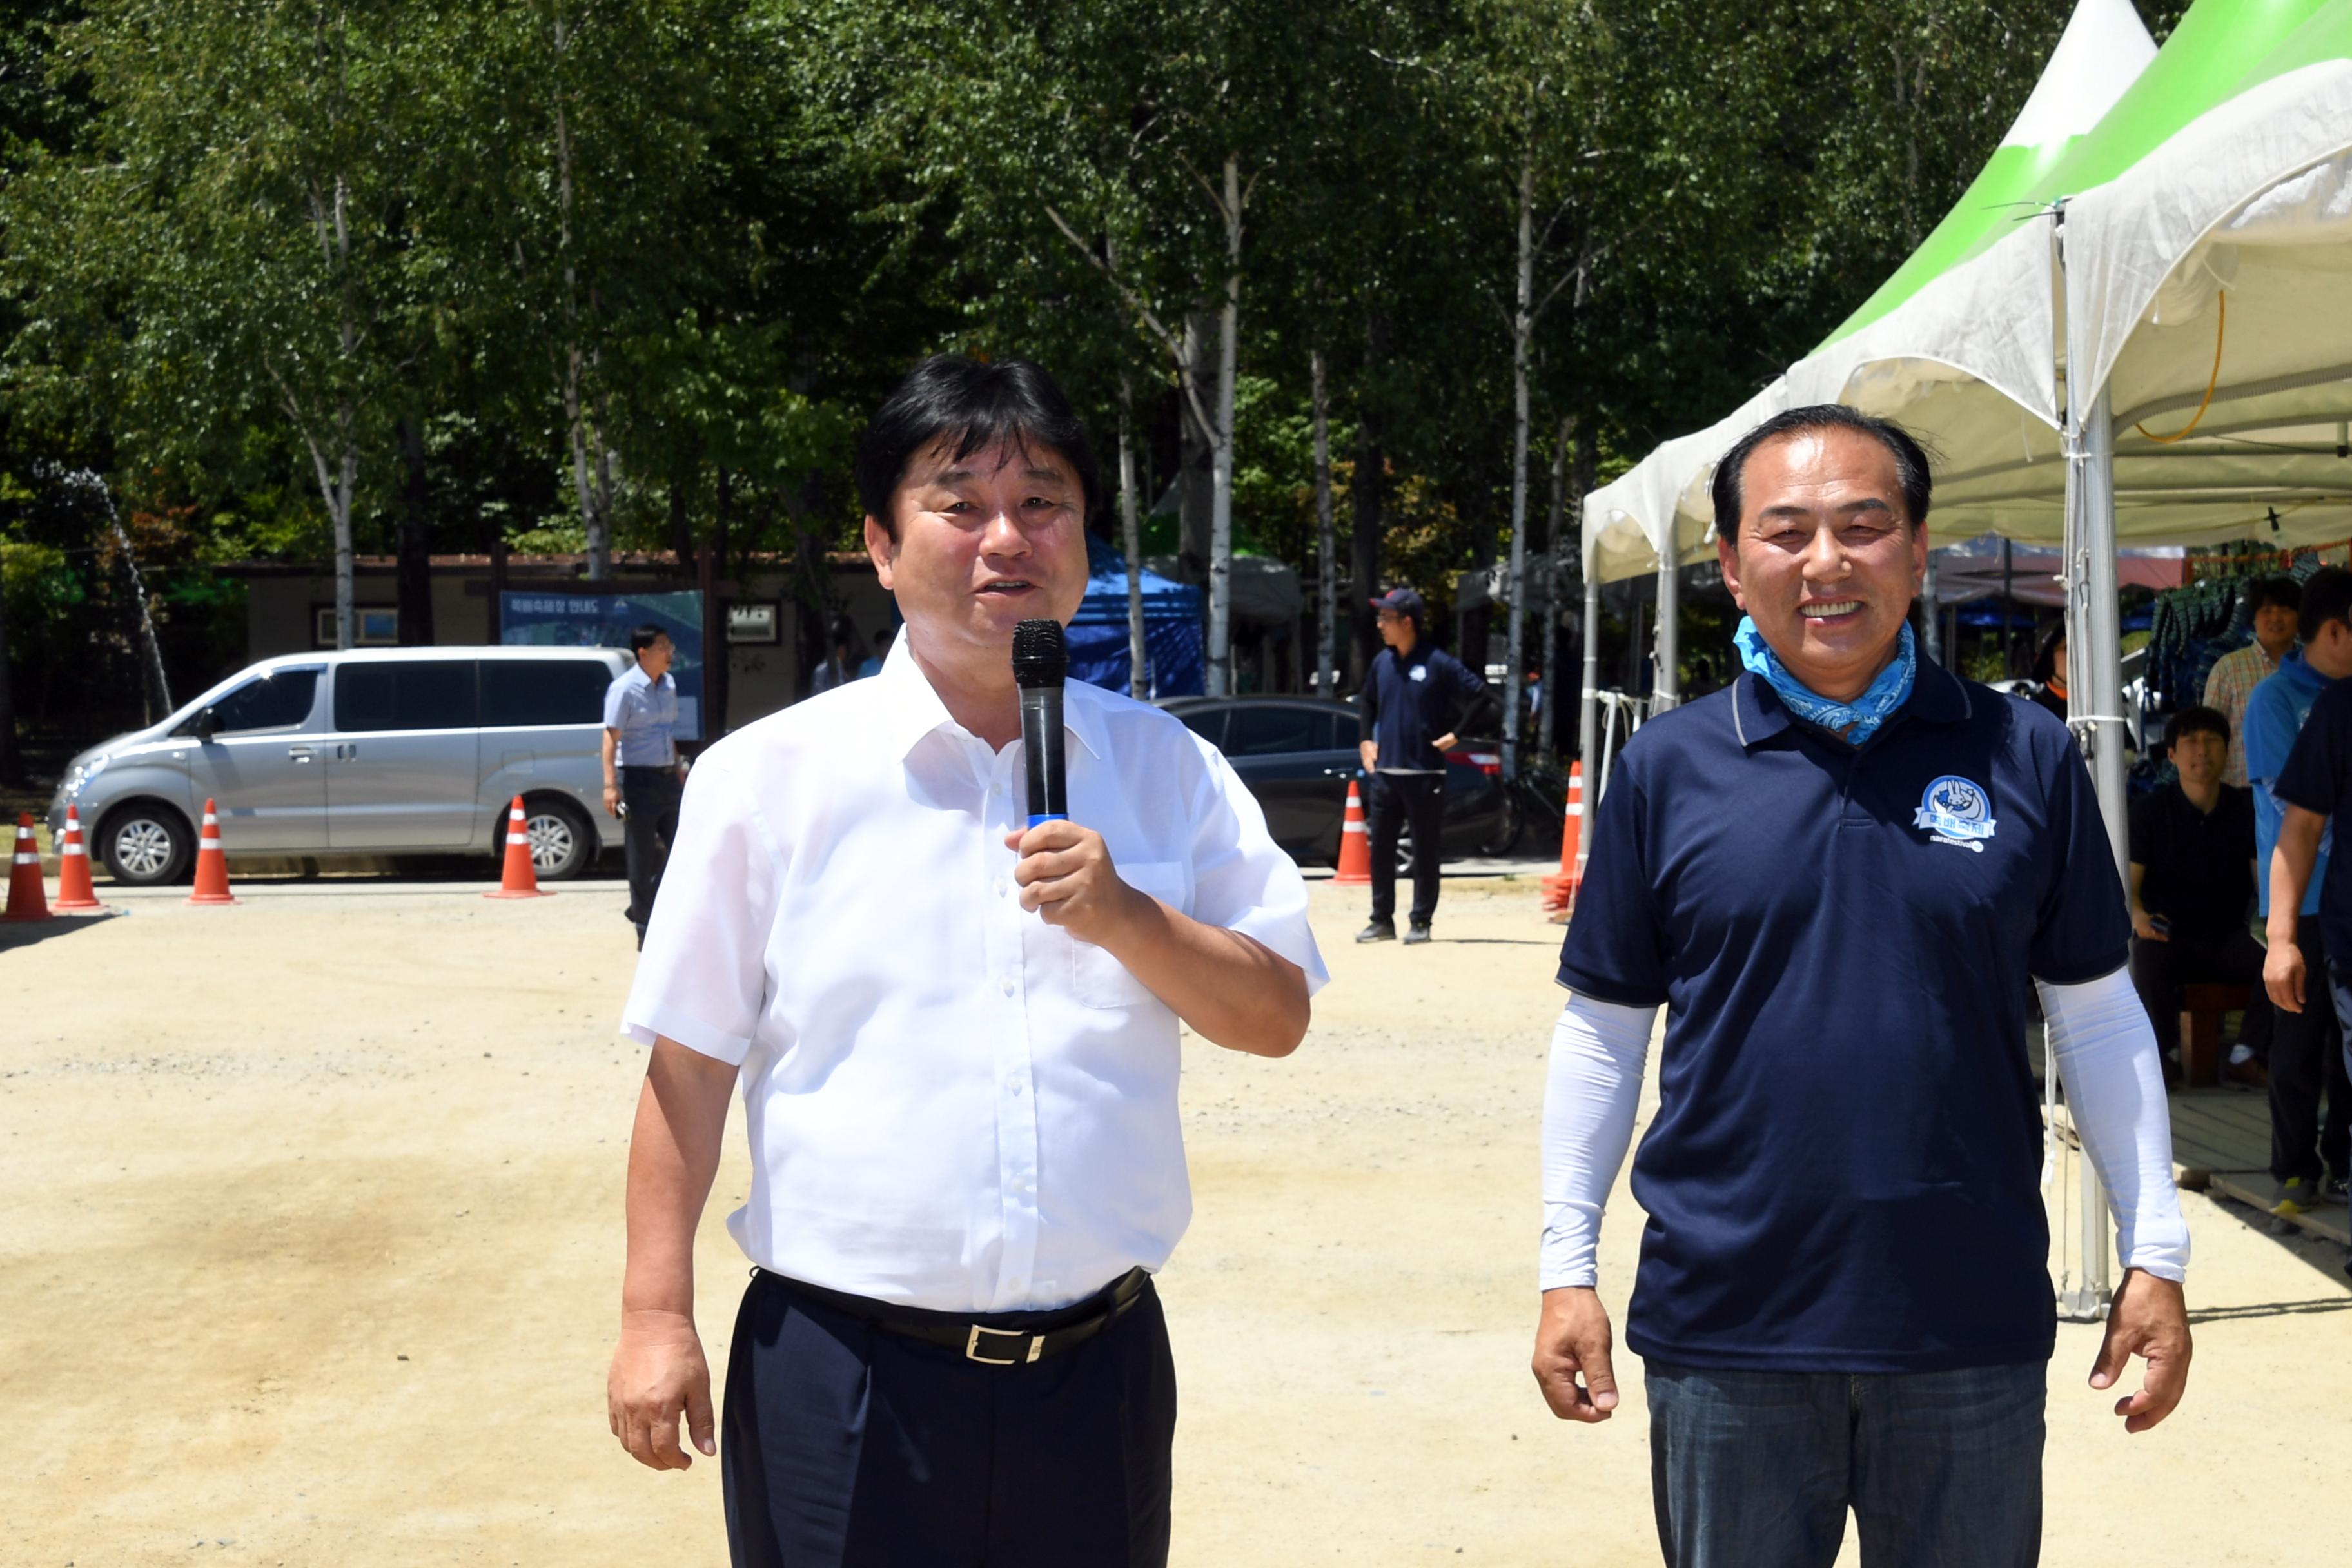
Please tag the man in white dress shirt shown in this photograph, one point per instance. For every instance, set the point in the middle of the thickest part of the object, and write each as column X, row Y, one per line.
column 957, row 1040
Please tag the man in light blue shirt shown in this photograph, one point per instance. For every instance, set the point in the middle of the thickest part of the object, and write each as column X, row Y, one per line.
column 641, row 771
column 2304, row 1044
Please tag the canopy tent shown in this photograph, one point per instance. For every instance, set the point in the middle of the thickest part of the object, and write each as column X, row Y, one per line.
column 1958, row 343
column 1097, row 636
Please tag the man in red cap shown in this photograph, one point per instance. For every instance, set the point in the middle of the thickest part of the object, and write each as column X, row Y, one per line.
column 1415, row 697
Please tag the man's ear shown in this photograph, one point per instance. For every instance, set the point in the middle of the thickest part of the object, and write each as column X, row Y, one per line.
column 1727, row 556
column 881, row 549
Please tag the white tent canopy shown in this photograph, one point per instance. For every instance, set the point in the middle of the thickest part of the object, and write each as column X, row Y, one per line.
column 1959, row 345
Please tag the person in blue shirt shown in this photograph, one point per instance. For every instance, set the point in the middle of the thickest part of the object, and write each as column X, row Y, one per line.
column 642, row 777
column 1840, row 876
column 1415, row 697
column 2306, row 1043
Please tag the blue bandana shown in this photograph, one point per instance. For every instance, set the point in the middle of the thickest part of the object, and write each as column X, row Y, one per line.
column 1857, row 721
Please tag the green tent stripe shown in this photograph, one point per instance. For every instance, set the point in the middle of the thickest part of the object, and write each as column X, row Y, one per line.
column 2220, row 48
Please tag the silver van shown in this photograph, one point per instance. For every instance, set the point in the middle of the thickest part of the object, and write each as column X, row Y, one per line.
column 406, row 750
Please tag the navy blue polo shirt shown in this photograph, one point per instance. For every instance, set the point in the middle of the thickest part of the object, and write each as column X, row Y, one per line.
column 1410, row 699
column 1843, row 1172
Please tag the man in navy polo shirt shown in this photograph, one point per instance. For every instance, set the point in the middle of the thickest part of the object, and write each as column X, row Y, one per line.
column 1839, row 875
column 1415, row 697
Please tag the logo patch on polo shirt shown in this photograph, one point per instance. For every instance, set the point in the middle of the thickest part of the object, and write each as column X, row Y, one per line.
column 1957, row 812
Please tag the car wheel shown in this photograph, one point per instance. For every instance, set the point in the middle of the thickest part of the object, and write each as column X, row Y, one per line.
column 1405, row 850
column 562, row 842
column 146, row 845
column 1504, row 835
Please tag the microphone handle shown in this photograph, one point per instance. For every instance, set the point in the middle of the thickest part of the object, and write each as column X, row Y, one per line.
column 1041, row 745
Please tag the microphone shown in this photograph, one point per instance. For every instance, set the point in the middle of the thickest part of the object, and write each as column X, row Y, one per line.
column 1040, row 664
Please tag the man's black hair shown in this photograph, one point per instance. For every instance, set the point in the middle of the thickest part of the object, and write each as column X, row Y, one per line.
column 1910, row 459
column 2326, row 596
column 977, row 407
column 643, row 637
column 2283, row 592
column 2197, row 721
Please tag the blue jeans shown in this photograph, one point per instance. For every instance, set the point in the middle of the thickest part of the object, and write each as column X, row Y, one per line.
column 1757, row 1470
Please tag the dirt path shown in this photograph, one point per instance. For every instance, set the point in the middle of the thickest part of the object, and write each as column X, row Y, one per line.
column 309, row 1241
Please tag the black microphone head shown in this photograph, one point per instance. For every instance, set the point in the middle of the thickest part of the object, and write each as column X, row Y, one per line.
column 1039, row 656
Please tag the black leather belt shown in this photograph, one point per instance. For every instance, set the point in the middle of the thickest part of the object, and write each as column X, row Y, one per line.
column 1059, row 1332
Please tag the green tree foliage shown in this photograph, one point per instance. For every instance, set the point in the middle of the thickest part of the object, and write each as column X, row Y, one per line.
column 302, row 279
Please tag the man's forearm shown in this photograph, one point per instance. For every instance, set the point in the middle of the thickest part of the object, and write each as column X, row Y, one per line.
column 612, row 753
column 1232, row 989
column 1599, row 1050
column 2292, row 862
column 673, row 1159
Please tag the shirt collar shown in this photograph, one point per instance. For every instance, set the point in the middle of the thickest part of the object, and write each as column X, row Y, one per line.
column 1938, row 697
column 912, row 709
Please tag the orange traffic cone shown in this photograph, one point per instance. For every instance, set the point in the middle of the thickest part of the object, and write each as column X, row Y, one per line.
column 519, row 878
column 1354, row 845
column 28, row 899
column 74, row 891
column 211, row 864
column 1559, row 889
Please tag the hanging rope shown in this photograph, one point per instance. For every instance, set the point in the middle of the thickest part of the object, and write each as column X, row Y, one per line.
column 2220, row 326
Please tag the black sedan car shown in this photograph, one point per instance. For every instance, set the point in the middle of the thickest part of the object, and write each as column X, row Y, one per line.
column 1297, row 755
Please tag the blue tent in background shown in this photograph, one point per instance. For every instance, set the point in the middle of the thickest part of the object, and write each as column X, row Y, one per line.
column 1171, row 628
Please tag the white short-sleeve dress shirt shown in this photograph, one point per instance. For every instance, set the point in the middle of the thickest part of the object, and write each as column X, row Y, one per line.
column 951, row 1104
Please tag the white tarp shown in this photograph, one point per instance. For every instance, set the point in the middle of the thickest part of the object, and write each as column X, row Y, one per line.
column 1966, row 359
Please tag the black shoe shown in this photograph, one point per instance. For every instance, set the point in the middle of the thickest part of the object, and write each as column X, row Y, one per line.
column 1378, row 931
column 1413, row 933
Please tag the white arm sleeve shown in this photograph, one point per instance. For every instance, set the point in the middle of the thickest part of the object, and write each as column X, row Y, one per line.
column 1598, row 1050
column 2106, row 1052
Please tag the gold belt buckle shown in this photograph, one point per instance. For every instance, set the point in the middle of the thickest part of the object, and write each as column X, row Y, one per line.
column 971, row 1346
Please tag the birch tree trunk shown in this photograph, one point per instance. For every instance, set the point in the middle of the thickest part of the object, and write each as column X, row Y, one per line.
column 1130, row 526
column 1522, row 348
column 1221, row 499
column 1547, row 725
column 1326, row 541
column 576, row 360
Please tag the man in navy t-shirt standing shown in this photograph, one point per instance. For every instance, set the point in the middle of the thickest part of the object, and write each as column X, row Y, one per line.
column 1415, row 696
column 1840, row 876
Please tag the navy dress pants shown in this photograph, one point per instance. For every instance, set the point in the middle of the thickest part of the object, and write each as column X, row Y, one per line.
column 650, row 796
column 842, row 1444
column 1758, row 1470
column 1396, row 802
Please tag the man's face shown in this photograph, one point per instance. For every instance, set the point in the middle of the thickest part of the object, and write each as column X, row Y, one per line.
column 655, row 657
column 1825, row 562
column 1395, row 628
column 2200, row 756
column 2274, row 628
column 984, row 543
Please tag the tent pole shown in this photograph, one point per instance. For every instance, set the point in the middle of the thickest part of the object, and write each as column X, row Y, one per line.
column 2093, row 704
column 1588, row 716
column 1663, row 683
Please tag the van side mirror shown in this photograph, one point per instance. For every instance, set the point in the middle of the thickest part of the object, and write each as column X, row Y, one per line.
column 205, row 724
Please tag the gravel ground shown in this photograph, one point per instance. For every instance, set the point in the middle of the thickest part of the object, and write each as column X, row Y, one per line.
column 309, row 1240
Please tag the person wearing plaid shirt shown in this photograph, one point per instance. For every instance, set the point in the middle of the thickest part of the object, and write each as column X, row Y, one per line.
column 2235, row 675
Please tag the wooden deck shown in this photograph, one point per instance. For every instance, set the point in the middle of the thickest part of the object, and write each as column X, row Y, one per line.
column 2221, row 1143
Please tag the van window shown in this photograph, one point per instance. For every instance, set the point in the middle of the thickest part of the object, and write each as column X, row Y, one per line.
column 437, row 694
column 543, row 691
column 274, row 701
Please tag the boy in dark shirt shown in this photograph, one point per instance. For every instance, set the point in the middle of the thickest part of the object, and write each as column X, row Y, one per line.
column 2192, row 879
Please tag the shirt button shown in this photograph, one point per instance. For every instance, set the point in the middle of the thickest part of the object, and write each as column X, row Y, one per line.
column 1001, row 885
column 1007, row 985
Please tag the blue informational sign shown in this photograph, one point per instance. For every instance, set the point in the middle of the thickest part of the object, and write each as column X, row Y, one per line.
column 531, row 618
